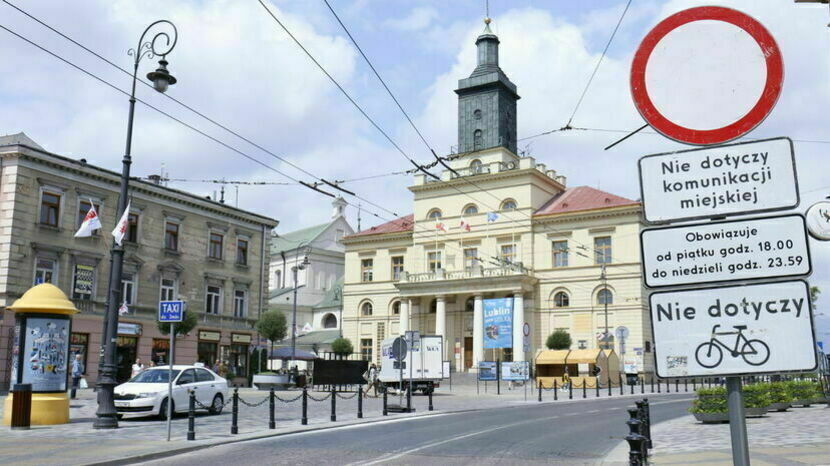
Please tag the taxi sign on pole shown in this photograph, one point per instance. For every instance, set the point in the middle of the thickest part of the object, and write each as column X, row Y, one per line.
column 731, row 179
column 171, row 311
column 737, row 330
column 706, row 75
column 771, row 247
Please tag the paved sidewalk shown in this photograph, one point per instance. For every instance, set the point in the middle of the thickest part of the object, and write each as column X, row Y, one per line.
column 78, row 443
column 797, row 436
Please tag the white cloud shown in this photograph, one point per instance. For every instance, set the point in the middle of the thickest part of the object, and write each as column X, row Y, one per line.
column 418, row 19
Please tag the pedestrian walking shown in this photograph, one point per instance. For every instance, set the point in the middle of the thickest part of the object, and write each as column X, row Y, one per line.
column 77, row 373
column 372, row 379
column 137, row 368
column 215, row 367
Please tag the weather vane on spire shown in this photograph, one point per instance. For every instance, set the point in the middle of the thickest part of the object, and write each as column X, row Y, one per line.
column 487, row 12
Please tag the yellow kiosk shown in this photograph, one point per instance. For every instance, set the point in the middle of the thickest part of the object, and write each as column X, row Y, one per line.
column 40, row 355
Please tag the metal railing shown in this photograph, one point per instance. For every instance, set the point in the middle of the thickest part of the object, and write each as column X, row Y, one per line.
column 470, row 171
column 468, row 272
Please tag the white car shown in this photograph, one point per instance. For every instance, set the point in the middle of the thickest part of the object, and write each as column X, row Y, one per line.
column 146, row 393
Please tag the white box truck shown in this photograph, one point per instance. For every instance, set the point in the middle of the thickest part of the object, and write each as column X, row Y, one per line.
column 425, row 360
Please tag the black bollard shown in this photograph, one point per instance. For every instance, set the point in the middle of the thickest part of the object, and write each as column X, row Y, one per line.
column 540, row 391
column 235, row 412
column 676, row 385
column 385, row 394
column 635, row 439
column 658, row 386
column 408, row 398
column 642, row 381
column 596, row 385
column 668, row 386
column 360, row 401
column 652, row 383
column 570, row 389
column 333, row 405
column 272, row 424
column 304, row 419
column 632, row 385
column 648, row 423
column 685, row 385
column 609, row 385
column 191, row 416
column 694, row 385
column 555, row 391
column 619, row 376
column 430, row 399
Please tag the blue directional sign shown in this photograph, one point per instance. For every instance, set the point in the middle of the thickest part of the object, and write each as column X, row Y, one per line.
column 171, row 311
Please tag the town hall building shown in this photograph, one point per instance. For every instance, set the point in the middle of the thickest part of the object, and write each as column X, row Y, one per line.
column 499, row 225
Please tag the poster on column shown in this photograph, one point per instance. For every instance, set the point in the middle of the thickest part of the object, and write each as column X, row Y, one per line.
column 498, row 323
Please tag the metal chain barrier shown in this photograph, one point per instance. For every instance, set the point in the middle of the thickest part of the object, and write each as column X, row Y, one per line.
column 320, row 399
column 346, row 397
column 288, row 400
column 252, row 405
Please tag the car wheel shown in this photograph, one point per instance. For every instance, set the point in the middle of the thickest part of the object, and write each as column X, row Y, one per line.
column 217, row 405
column 163, row 409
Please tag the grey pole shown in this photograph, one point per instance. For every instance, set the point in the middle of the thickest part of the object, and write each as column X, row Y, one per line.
column 605, row 300
column 170, row 378
column 737, row 422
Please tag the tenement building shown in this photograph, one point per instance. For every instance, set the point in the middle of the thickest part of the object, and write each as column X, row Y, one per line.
column 499, row 225
column 178, row 246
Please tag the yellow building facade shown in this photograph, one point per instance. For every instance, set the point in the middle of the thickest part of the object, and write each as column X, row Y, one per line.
column 499, row 225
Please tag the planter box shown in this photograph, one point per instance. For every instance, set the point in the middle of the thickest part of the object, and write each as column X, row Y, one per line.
column 712, row 418
column 267, row 382
column 778, row 406
column 803, row 403
column 755, row 412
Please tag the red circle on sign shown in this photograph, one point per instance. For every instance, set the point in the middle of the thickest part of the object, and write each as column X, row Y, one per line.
column 762, row 108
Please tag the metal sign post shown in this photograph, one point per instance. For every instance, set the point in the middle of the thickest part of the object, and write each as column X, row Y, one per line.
column 172, row 312
column 737, row 422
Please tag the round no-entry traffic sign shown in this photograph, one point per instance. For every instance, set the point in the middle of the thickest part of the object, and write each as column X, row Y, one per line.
column 706, row 75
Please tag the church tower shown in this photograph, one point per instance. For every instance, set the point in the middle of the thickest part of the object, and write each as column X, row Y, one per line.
column 486, row 101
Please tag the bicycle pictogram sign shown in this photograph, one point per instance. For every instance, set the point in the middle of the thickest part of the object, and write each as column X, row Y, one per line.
column 710, row 354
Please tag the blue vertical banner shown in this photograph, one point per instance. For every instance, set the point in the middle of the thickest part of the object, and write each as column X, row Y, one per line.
column 498, row 323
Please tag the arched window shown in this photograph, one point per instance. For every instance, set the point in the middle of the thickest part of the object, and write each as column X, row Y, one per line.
column 434, row 214
column 477, row 114
column 330, row 321
column 561, row 299
column 470, row 209
column 478, row 140
column 605, row 296
column 508, row 204
column 475, row 166
column 396, row 308
column 366, row 309
column 433, row 306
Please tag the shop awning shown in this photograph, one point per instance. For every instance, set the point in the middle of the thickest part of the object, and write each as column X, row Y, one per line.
column 585, row 356
column 552, row 357
column 300, row 355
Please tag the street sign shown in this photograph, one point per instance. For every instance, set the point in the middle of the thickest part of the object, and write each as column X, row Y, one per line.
column 706, row 75
column 399, row 349
column 736, row 330
column 516, row 370
column 171, row 311
column 818, row 220
column 731, row 179
column 770, row 247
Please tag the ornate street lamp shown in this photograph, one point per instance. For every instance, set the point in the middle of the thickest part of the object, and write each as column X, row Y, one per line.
column 162, row 43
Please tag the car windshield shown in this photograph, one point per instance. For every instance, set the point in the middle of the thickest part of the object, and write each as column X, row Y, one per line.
column 153, row 376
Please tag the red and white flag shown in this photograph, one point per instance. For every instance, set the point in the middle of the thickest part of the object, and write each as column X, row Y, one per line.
column 465, row 225
column 440, row 227
column 124, row 309
column 91, row 223
column 121, row 227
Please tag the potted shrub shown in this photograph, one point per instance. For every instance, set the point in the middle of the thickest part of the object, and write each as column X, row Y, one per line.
column 804, row 392
column 710, row 405
column 779, row 396
column 269, row 379
column 756, row 400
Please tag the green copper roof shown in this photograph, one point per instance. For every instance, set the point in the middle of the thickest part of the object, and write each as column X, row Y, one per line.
column 333, row 297
column 290, row 241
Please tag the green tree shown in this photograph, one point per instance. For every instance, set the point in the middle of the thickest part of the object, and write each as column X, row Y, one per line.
column 814, row 292
column 559, row 340
column 342, row 347
column 272, row 325
column 182, row 328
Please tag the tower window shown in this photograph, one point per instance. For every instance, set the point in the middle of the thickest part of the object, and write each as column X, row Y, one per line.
column 477, row 114
column 478, row 140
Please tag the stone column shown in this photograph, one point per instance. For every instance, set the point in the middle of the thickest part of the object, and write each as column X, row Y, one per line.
column 518, row 324
column 478, row 331
column 403, row 325
column 441, row 321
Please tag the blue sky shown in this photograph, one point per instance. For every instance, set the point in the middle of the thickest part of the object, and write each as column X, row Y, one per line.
column 235, row 64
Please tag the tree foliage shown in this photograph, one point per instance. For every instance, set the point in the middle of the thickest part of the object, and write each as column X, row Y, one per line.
column 342, row 347
column 559, row 340
column 182, row 328
column 272, row 325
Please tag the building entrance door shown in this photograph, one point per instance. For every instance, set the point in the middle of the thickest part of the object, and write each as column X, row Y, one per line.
column 125, row 357
column 468, row 352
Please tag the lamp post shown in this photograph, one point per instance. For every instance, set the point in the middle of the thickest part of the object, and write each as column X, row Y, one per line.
column 162, row 43
column 296, row 268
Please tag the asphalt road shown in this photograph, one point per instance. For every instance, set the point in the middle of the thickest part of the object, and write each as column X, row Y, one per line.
column 568, row 433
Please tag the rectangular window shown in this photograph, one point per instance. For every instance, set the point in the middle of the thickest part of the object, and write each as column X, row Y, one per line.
column 242, row 251
column 508, row 253
column 128, row 288
column 168, row 289
column 213, row 300
column 132, row 228
column 45, row 271
column 434, row 261
column 50, row 208
column 560, row 253
column 470, row 257
column 83, row 209
column 239, row 303
column 366, row 349
column 82, row 280
column 366, row 267
column 171, row 236
column 397, row 267
column 602, row 249
column 215, row 246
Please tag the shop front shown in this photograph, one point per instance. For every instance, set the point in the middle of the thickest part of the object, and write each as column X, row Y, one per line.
column 207, row 349
column 238, row 355
column 127, row 349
